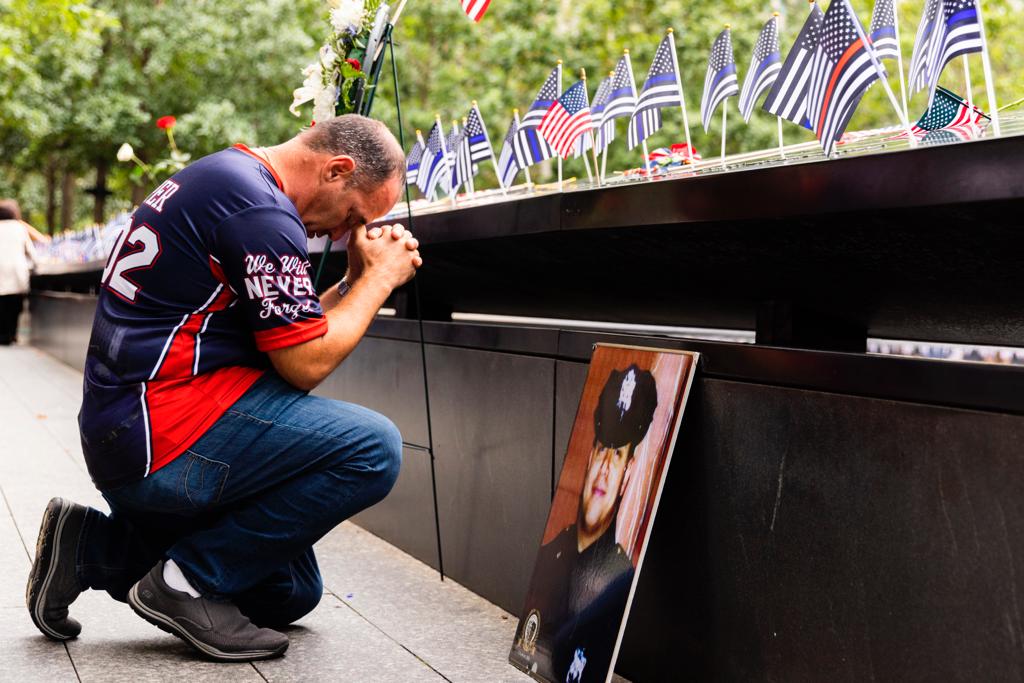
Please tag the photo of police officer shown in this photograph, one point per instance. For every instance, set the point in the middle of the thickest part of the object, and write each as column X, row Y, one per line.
column 583, row 575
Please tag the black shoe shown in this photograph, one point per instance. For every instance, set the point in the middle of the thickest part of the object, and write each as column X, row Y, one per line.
column 218, row 630
column 53, row 583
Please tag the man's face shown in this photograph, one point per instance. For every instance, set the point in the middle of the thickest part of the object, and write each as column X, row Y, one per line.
column 607, row 475
column 339, row 206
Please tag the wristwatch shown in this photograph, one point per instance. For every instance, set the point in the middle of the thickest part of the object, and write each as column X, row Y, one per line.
column 343, row 288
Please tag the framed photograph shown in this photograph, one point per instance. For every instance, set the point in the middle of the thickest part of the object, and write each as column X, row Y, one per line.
column 600, row 519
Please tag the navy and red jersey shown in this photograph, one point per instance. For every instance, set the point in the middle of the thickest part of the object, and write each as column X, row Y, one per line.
column 212, row 273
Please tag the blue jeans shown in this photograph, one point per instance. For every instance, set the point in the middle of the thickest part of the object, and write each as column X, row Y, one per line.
column 240, row 510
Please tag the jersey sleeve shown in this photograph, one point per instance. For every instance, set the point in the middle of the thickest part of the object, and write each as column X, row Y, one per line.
column 261, row 254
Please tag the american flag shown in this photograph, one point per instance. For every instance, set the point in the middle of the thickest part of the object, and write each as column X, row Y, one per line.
column 661, row 89
column 412, row 163
column 457, row 175
column 788, row 97
column 720, row 81
column 620, row 101
column 508, row 164
column 917, row 78
column 476, row 135
column 567, row 119
column 436, row 165
column 840, row 73
column 883, row 30
column 475, row 9
column 957, row 32
column 765, row 65
column 531, row 148
column 949, row 111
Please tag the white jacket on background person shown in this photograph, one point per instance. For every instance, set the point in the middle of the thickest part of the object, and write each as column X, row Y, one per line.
column 17, row 258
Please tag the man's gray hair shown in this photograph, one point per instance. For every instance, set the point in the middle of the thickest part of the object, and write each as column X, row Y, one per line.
column 377, row 154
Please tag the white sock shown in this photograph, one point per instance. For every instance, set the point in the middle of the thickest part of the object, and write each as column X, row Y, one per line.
column 176, row 580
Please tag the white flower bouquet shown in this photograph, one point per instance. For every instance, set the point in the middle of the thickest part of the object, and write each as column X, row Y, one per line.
column 333, row 82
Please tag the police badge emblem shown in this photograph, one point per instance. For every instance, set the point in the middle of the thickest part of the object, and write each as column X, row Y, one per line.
column 531, row 627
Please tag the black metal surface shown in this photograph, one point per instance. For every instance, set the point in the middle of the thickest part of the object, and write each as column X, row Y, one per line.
column 967, row 385
column 857, row 539
column 492, row 441
column 383, row 375
column 985, row 170
column 826, row 516
column 916, row 244
column 406, row 517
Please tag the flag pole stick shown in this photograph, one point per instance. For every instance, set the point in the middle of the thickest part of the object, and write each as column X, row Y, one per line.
column 444, row 160
column 647, row 160
column 604, row 152
column 590, row 133
column 526, row 169
column 632, row 81
column 967, row 82
column 986, row 67
column 725, row 110
column 469, row 177
column 682, row 97
column 899, row 59
column 560, row 188
column 881, row 72
column 782, row 146
column 494, row 160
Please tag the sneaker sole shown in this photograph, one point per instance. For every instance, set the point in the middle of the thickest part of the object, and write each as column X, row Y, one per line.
column 168, row 625
column 47, row 557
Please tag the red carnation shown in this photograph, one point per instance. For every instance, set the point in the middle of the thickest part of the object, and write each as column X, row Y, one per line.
column 166, row 122
column 355, row 63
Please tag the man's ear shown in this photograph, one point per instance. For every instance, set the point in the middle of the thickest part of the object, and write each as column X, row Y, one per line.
column 339, row 168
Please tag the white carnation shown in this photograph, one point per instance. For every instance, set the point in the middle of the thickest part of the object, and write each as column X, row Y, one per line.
column 324, row 103
column 348, row 15
column 313, row 83
column 125, row 153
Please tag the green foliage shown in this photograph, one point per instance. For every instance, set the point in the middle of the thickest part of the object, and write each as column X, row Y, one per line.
column 81, row 77
column 445, row 61
column 89, row 76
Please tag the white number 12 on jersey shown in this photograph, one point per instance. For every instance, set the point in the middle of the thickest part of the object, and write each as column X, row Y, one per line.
column 146, row 248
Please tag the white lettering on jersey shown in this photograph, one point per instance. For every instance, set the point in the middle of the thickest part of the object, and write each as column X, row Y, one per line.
column 161, row 194
column 268, row 281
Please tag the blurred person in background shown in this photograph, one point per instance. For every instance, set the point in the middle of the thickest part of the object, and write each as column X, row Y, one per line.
column 17, row 259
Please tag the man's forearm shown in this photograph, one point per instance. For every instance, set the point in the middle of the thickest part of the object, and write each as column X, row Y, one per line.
column 306, row 365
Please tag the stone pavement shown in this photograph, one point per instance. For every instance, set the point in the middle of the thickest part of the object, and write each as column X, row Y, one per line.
column 385, row 616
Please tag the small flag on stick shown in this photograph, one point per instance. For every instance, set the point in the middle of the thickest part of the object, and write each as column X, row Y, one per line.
column 508, row 164
column 434, row 168
column 531, row 148
column 788, row 96
column 720, row 80
column 765, row 65
column 567, row 119
column 661, row 89
column 412, row 162
column 841, row 71
column 883, row 30
column 620, row 101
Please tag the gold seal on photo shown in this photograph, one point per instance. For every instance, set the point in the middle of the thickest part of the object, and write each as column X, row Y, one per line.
column 531, row 629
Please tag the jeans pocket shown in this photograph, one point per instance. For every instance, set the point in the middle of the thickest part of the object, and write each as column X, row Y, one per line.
column 202, row 481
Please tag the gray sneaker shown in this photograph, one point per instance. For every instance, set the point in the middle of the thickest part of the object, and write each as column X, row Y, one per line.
column 218, row 630
column 53, row 582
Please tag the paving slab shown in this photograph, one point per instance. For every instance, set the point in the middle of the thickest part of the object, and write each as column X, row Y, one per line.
column 385, row 616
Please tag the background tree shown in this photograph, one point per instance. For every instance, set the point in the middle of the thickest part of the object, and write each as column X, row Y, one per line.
column 81, row 77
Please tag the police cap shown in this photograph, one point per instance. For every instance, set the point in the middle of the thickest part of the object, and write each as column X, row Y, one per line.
column 626, row 407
